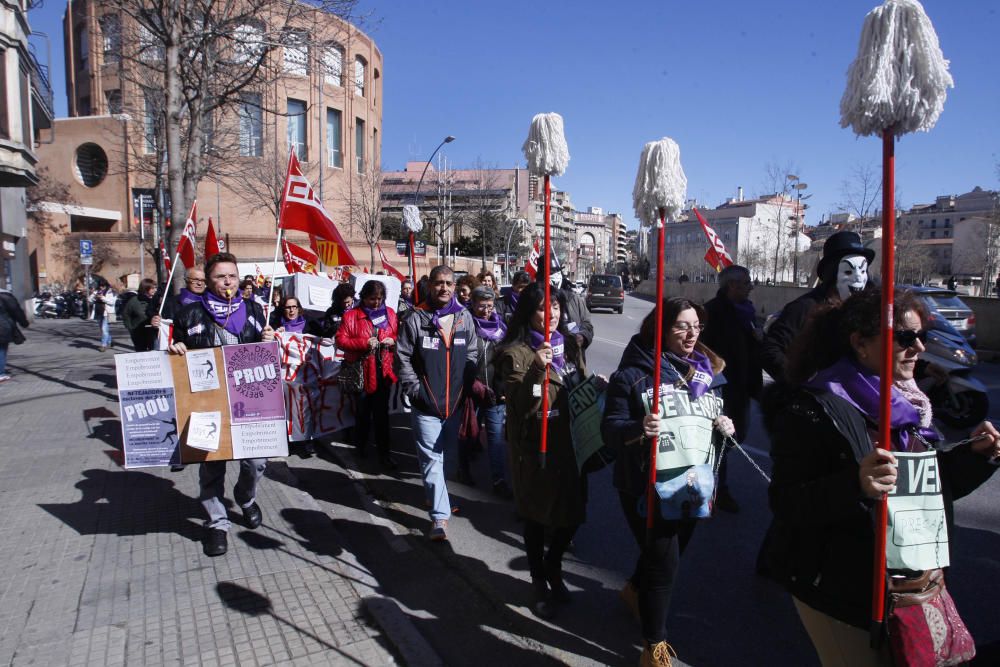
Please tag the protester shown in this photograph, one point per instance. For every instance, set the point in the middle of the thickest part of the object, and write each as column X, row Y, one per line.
column 247, row 290
column 405, row 296
column 487, row 279
column 103, row 300
column 289, row 316
column 342, row 301
column 368, row 333
column 842, row 271
column 223, row 317
column 731, row 331
column 436, row 365
column 505, row 306
column 276, row 299
column 464, row 287
column 488, row 390
column 11, row 315
column 137, row 316
column 576, row 316
column 194, row 288
column 691, row 377
column 829, row 474
column 552, row 497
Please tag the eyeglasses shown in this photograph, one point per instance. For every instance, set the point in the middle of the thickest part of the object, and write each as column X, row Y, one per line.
column 291, row 307
column 196, row 281
column 685, row 327
column 907, row 338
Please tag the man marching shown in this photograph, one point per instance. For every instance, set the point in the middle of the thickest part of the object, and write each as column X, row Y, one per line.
column 223, row 317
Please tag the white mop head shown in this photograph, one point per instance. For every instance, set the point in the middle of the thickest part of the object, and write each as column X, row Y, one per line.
column 660, row 183
column 545, row 148
column 411, row 219
column 900, row 77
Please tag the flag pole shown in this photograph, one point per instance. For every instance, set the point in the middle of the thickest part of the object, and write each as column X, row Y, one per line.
column 277, row 244
column 170, row 279
column 654, row 404
column 544, row 442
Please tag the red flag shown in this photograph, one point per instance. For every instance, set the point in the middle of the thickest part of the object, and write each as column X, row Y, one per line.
column 717, row 257
column 299, row 259
column 212, row 244
column 185, row 247
column 387, row 266
column 165, row 256
column 302, row 210
column 531, row 266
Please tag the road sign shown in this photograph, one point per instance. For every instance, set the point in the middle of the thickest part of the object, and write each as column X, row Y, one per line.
column 403, row 248
column 86, row 259
column 86, row 247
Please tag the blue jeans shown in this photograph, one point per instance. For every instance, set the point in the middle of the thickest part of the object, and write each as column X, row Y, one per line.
column 3, row 358
column 105, row 332
column 212, row 479
column 433, row 437
column 496, row 443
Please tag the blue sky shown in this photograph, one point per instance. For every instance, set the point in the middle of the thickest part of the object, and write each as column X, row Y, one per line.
column 736, row 84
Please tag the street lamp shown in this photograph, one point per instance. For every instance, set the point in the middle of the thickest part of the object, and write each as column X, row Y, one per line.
column 798, row 187
column 416, row 200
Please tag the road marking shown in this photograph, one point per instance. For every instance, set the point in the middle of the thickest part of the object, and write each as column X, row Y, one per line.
column 612, row 342
column 630, row 317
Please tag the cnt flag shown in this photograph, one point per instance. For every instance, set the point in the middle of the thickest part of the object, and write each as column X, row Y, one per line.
column 299, row 259
column 213, row 246
column 303, row 211
column 717, row 257
column 165, row 256
column 393, row 271
column 185, row 247
column 531, row 265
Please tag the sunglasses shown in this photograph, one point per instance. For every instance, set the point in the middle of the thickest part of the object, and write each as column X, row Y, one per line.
column 909, row 338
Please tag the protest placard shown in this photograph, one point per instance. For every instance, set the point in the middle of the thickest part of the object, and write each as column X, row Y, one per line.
column 686, row 429
column 253, row 381
column 148, row 410
column 316, row 406
column 917, row 532
column 586, row 408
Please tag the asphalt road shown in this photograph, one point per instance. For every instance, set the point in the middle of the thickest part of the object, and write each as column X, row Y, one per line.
column 469, row 597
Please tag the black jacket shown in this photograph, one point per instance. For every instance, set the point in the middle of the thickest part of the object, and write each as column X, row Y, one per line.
column 327, row 325
column 624, row 409
column 783, row 331
column 11, row 315
column 577, row 317
column 726, row 335
column 821, row 541
column 195, row 327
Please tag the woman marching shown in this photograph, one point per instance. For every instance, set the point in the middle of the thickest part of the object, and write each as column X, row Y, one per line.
column 830, row 475
column 552, row 498
column 690, row 390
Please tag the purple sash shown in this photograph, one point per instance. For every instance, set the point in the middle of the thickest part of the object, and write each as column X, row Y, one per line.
column 450, row 308
column 298, row 325
column 377, row 316
column 230, row 315
column 558, row 347
column 702, row 378
column 493, row 329
column 186, row 296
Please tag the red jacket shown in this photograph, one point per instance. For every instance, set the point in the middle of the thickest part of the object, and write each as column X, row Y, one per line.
column 352, row 338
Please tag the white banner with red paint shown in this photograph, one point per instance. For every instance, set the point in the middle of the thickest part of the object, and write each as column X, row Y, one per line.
column 315, row 404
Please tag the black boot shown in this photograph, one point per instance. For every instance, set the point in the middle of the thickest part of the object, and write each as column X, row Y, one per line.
column 553, row 574
column 541, row 604
column 215, row 542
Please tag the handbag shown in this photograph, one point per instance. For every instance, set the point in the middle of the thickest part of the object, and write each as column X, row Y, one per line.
column 351, row 377
column 925, row 629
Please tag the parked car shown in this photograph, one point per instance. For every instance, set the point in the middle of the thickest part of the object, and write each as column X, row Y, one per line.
column 946, row 304
column 579, row 287
column 605, row 291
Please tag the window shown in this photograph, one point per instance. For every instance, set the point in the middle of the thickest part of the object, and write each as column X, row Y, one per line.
column 334, row 139
column 4, row 120
column 375, row 141
column 933, row 234
column 947, row 222
column 297, row 128
column 84, row 106
column 375, row 77
column 933, row 223
column 251, row 125
column 150, row 118
column 90, row 165
column 333, row 65
column 111, row 33
column 82, row 47
column 296, row 52
column 113, row 101
column 359, row 143
column 248, row 42
column 150, row 46
column 359, row 76
column 947, row 233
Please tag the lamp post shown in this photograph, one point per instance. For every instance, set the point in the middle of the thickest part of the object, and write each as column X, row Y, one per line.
column 416, row 199
column 798, row 187
column 519, row 223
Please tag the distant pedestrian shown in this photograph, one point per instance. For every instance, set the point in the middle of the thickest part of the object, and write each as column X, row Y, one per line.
column 951, row 283
column 488, row 390
column 11, row 315
column 103, row 304
column 505, row 306
column 136, row 317
column 341, row 302
column 487, row 279
column 405, row 296
column 223, row 317
column 464, row 287
column 436, row 365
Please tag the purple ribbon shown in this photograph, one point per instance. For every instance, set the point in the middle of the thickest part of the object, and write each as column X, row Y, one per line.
column 702, row 378
column 186, row 296
column 558, row 347
column 298, row 325
column 860, row 387
column 378, row 316
column 511, row 298
column 746, row 314
column 230, row 315
column 493, row 328
column 450, row 308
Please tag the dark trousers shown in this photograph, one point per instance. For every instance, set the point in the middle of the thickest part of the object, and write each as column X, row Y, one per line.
column 540, row 562
column 736, row 406
column 144, row 339
column 659, row 560
column 373, row 408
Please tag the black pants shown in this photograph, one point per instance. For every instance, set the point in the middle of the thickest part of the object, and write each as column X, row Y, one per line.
column 534, row 545
column 144, row 339
column 373, row 408
column 659, row 560
column 736, row 406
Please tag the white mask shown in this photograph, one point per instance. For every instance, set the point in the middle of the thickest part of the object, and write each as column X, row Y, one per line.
column 556, row 278
column 852, row 275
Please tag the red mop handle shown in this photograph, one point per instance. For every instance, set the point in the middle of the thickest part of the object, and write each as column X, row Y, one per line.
column 543, row 447
column 885, row 374
column 413, row 272
column 658, row 354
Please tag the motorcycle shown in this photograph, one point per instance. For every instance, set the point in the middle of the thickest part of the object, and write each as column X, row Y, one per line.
column 959, row 400
column 49, row 306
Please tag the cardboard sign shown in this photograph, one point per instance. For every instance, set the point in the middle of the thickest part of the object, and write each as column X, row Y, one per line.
column 586, row 408
column 686, row 430
column 917, row 532
column 253, row 381
column 148, row 409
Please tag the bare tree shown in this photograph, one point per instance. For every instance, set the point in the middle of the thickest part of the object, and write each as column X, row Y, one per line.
column 914, row 260
column 860, row 192
column 364, row 206
column 487, row 207
column 46, row 191
column 778, row 181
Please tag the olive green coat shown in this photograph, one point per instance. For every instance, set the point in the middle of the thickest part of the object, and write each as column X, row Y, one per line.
column 557, row 494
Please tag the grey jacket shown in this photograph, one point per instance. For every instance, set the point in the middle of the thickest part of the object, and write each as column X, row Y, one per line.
column 577, row 317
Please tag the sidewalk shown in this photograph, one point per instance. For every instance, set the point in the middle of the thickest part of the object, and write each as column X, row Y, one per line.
column 104, row 566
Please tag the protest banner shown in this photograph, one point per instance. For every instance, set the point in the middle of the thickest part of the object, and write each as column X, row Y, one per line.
column 686, row 430
column 253, row 382
column 316, row 406
column 917, row 531
column 148, row 409
column 586, row 408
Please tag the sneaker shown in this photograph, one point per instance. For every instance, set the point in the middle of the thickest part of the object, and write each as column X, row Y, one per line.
column 177, row 467
column 725, row 502
column 660, row 654
column 630, row 596
column 214, row 543
column 4, row 377
column 439, row 532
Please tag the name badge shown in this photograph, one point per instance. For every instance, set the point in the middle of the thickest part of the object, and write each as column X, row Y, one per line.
column 378, row 320
column 536, row 390
column 431, row 343
column 459, row 341
column 196, row 329
column 552, row 413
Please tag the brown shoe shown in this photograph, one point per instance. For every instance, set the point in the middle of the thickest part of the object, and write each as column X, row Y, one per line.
column 660, row 654
column 630, row 596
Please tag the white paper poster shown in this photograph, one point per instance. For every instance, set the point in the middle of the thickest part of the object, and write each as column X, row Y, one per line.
column 204, row 429
column 202, row 373
column 917, row 532
column 260, row 440
column 143, row 370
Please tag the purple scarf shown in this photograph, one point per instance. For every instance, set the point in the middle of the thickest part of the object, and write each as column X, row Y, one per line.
column 377, row 316
column 186, row 296
column 746, row 314
column 702, row 377
column 298, row 325
column 511, row 299
column 493, row 329
column 230, row 315
column 860, row 387
column 558, row 347
column 450, row 308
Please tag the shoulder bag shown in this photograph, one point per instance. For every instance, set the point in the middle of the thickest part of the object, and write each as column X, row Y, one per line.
column 925, row 629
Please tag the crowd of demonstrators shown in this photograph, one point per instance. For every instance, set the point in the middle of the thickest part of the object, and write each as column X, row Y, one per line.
column 341, row 302
column 223, row 317
column 368, row 333
column 551, row 496
column 137, row 316
column 436, row 365
column 731, row 331
column 692, row 372
column 102, row 302
column 830, row 472
column 505, row 306
column 11, row 316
